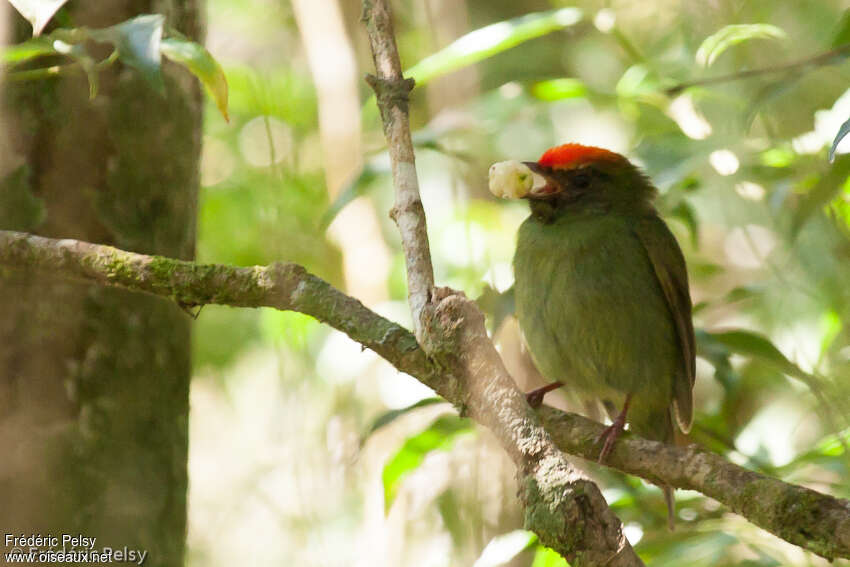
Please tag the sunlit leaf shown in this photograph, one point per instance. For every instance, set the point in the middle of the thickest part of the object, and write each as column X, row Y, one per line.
column 25, row 51
column 636, row 80
column 834, row 444
column 831, row 325
column 827, row 452
column 546, row 557
column 714, row 45
column 777, row 157
column 503, row 548
column 440, row 435
column 559, row 89
column 482, row 43
column 485, row 42
column 289, row 327
column 202, row 64
column 37, row 12
column 138, row 43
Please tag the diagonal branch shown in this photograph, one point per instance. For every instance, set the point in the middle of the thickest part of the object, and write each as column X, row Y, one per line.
column 565, row 509
column 814, row 521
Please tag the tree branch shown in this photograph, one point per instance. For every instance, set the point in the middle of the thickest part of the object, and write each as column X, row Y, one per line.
column 809, row 519
column 391, row 90
column 566, row 510
column 815, row 60
column 799, row 515
column 281, row 286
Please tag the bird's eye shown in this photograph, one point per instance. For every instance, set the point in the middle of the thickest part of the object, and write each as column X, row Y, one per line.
column 580, row 180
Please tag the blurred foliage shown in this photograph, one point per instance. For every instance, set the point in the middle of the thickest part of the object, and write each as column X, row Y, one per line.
column 439, row 436
column 745, row 183
column 137, row 42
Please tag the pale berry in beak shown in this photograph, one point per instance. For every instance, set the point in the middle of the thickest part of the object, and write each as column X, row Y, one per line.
column 513, row 180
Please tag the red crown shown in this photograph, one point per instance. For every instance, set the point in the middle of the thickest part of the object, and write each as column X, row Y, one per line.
column 573, row 154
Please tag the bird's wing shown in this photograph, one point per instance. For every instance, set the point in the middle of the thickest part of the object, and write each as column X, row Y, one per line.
column 669, row 265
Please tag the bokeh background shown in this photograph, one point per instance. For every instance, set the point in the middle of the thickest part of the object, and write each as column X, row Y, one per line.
column 305, row 450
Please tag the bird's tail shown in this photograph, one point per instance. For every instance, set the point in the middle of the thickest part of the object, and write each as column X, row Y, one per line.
column 671, row 506
column 659, row 428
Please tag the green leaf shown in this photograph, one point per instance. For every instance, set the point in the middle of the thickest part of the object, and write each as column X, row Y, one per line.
column 485, row 42
column 503, row 548
column 497, row 305
column 482, row 43
column 559, row 89
column 351, row 191
column 757, row 346
column 826, row 451
column 831, row 325
column 743, row 293
column 777, row 157
column 685, row 212
column 718, row 355
column 138, row 42
column 450, row 512
column 440, row 435
column 637, row 80
column 841, row 35
column 546, row 557
column 202, row 64
column 392, row 415
column 20, row 208
column 37, row 12
column 821, row 194
column 25, row 51
column 768, row 94
column 833, row 444
column 842, row 132
column 289, row 327
column 714, row 45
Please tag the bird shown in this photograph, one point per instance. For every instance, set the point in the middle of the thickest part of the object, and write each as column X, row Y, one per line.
column 601, row 291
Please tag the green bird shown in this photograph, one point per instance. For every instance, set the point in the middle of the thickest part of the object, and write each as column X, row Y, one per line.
column 602, row 293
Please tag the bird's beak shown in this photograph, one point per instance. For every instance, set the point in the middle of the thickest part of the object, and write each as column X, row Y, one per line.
column 544, row 184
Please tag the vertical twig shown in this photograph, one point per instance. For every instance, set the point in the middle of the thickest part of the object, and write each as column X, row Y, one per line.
column 566, row 510
column 392, row 90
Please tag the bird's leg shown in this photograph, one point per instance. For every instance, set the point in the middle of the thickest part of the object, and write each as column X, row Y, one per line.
column 535, row 397
column 613, row 431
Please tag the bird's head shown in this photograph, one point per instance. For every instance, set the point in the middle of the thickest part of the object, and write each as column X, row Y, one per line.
column 577, row 178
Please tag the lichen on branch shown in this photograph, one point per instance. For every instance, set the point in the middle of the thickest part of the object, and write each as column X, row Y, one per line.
column 814, row 521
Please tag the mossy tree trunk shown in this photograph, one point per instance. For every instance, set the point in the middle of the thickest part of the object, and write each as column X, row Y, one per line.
column 94, row 382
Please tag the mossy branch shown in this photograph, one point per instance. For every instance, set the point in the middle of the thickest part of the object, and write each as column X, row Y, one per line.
column 814, row 521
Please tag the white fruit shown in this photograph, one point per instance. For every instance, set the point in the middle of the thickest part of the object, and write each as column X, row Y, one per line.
column 511, row 179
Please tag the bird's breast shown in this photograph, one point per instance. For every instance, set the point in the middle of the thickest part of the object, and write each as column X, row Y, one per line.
column 591, row 309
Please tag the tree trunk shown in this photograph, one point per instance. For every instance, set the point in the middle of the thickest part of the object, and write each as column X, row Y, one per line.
column 94, row 382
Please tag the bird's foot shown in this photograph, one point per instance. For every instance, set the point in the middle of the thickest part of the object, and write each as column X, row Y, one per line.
column 612, row 432
column 609, row 435
column 535, row 397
